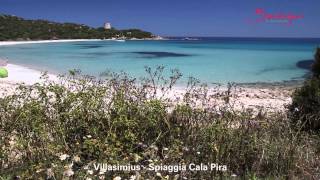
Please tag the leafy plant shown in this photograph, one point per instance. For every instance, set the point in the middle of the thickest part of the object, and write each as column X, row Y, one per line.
column 57, row 130
column 304, row 111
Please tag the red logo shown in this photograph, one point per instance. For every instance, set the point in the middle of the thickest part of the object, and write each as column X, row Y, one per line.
column 281, row 18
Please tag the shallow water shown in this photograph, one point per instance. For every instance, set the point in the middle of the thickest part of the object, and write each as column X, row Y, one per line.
column 218, row 60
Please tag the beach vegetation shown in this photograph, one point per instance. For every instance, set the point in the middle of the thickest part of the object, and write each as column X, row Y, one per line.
column 304, row 111
column 60, row 130
column 316, row 64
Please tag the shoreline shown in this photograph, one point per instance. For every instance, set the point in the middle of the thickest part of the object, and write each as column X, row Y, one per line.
column 271, row 96
column 9, row 43
column 21, row 74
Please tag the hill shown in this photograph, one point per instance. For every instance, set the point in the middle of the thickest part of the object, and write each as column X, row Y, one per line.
column 17, row 28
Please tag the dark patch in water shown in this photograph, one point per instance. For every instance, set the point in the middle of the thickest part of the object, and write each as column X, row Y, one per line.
column 88, row 45
column 91, row 46
column 153, row 54
column 305, row 64
column 26, row 48
column 99, row 54
column 84, row 44
column 266, row 70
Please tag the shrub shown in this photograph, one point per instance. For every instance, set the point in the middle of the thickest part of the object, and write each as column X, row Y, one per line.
column 316, row 65
column 305, row 108
column 304, row 111
column 59, row 130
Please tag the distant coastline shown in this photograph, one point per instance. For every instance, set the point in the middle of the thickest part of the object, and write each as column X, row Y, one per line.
column 8, row 43
column 16, row 28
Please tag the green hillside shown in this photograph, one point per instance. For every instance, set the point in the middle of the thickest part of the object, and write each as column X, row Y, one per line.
column 16, row 28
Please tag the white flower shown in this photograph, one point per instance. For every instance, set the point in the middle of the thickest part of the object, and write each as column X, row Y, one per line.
column 68, row 173
column 176, row 176
column 296, row 109
column 49, row 173
column 185, row 149
column 63, row 157
column 88, row 178
column 117, row 178
column 133, row 177
column 39, row 170
column 69, row 165
column 198, row 152
column 158, row 174
column 137, row 158
column 165, row 149
column 154, row 147
column 76, row 159
column 90, row 172
column 12, row 142
column 89, row 136
column 233, row 175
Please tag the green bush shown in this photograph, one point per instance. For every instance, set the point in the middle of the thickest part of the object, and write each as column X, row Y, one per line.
column 316, row 65
column 305, row 107
column 59, row 130
column 304, row 111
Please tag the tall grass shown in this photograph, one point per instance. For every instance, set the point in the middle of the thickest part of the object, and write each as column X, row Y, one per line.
column 56, row 130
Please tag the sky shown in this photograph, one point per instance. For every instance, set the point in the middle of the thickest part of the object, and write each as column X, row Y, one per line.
column 216, row 18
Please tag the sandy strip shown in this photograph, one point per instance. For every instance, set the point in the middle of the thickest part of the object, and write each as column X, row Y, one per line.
column 8, row 43
column 255, row 98
column 21, row 74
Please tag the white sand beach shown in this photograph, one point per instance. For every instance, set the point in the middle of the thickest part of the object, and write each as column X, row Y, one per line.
column 8, row 43
column 21, row 74
column 242, row 97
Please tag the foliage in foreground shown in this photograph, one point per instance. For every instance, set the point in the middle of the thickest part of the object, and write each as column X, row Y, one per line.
column 304, row 111
column 56, row 131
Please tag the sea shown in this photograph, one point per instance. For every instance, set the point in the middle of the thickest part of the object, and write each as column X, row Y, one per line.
column 210, row 60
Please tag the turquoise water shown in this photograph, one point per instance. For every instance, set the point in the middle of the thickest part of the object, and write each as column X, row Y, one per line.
column 212, row 60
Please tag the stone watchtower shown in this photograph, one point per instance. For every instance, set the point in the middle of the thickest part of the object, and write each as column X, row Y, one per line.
column 107, row 25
